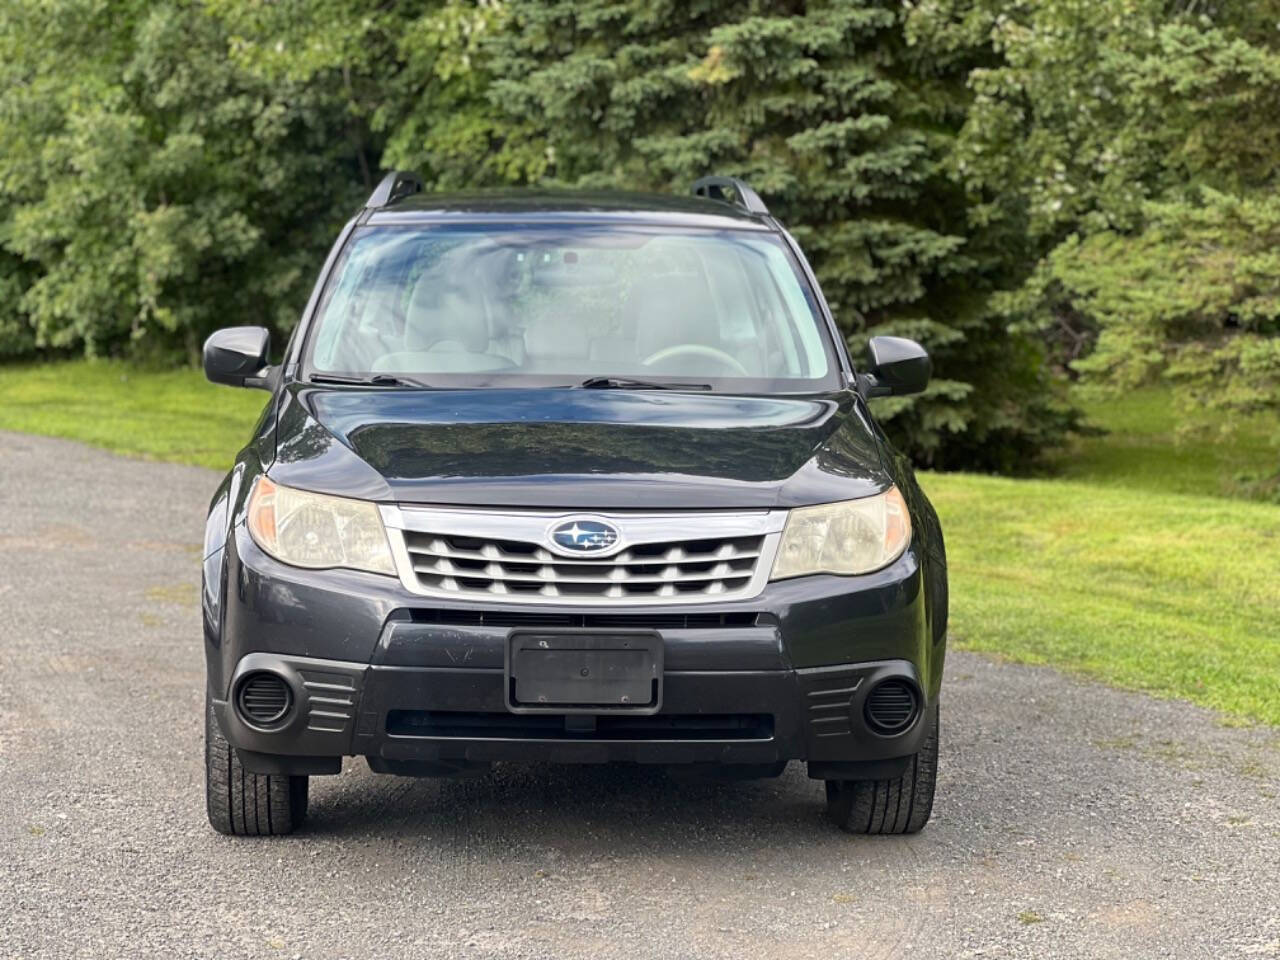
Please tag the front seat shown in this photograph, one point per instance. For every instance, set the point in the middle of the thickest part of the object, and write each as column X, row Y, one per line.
column 673, row 310
column 442, row 317
column 445, row 331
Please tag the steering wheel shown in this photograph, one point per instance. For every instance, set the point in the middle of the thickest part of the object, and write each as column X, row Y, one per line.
column 698, row 350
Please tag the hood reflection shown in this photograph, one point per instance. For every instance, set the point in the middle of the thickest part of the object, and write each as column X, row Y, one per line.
column 576, row 448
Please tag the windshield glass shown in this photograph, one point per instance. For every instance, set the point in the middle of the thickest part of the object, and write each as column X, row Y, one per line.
column 516, row 305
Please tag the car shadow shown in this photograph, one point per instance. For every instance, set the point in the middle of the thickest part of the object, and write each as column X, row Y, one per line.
column 618, row 809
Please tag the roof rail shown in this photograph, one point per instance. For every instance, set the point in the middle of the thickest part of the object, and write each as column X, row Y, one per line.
column 730, row 190
column 396, row 185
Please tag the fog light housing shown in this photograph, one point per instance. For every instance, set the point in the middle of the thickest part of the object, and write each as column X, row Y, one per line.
column 264, row 699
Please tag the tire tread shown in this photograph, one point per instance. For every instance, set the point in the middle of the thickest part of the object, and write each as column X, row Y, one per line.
column 241, row 803
column 889, row 806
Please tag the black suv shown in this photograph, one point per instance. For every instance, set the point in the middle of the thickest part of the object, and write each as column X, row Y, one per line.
column 570, row 478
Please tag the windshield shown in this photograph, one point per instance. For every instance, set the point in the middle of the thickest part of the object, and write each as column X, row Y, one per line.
column 516, row 305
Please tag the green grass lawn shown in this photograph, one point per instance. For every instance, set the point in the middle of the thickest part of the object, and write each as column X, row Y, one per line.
column 1144, row 448
column 1129, row 566
column 1172, row 594
column 162, row 415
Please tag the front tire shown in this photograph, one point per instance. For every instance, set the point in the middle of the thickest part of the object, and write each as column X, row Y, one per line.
column 245, row 804
column 898, row 805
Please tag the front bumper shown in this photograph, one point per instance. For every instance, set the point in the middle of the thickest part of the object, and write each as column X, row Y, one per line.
column 376, row 672
column 457, row 715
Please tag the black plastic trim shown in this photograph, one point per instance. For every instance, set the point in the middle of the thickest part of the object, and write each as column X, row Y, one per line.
column 396, row 185
column 384, row 701
column 720, row 188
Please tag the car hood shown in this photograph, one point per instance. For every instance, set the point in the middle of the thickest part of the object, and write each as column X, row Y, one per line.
column 576, row 449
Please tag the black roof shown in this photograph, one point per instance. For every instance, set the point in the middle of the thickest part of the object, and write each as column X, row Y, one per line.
column 576, row 205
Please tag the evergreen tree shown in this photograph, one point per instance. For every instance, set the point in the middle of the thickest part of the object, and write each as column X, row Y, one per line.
column 174, row 167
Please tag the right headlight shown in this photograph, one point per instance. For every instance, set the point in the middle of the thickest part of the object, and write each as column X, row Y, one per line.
column 316, row 530
column 852, row 536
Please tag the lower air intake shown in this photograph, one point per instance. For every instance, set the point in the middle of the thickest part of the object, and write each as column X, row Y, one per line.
column 263, row 699
column 892, row 707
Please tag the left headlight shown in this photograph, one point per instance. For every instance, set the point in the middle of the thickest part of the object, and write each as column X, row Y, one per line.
column 315, row 530
column 852, row 536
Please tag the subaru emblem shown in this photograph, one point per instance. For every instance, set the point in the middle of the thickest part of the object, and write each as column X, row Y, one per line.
column 584, row 536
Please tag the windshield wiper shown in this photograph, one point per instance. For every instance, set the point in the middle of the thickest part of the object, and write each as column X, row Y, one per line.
column 627, row 383
column 377, row 380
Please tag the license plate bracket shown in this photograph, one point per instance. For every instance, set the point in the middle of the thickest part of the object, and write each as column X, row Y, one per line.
column 584, row 671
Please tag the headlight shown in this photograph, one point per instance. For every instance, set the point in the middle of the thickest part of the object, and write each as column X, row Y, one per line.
column 314, row 530
column 853, row 536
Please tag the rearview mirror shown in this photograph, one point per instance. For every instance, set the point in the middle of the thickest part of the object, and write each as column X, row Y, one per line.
column 237, row 356
column 897, row 367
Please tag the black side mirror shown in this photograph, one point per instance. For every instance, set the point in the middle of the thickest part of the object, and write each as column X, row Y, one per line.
column 898, row 366
column 237, row 356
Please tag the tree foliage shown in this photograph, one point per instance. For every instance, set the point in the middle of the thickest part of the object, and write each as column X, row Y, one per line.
column 151, row 190
column 825, row 110
column 1136, row 143
column 1029, row 188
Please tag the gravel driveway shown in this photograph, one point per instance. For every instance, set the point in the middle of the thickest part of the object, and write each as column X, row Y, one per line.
column 1072, row 820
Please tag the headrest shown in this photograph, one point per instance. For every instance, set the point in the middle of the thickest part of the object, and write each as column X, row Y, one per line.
column 444, row 315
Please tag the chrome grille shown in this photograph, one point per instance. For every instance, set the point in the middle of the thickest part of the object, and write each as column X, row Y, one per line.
column 474, row 554
column 651, row 569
